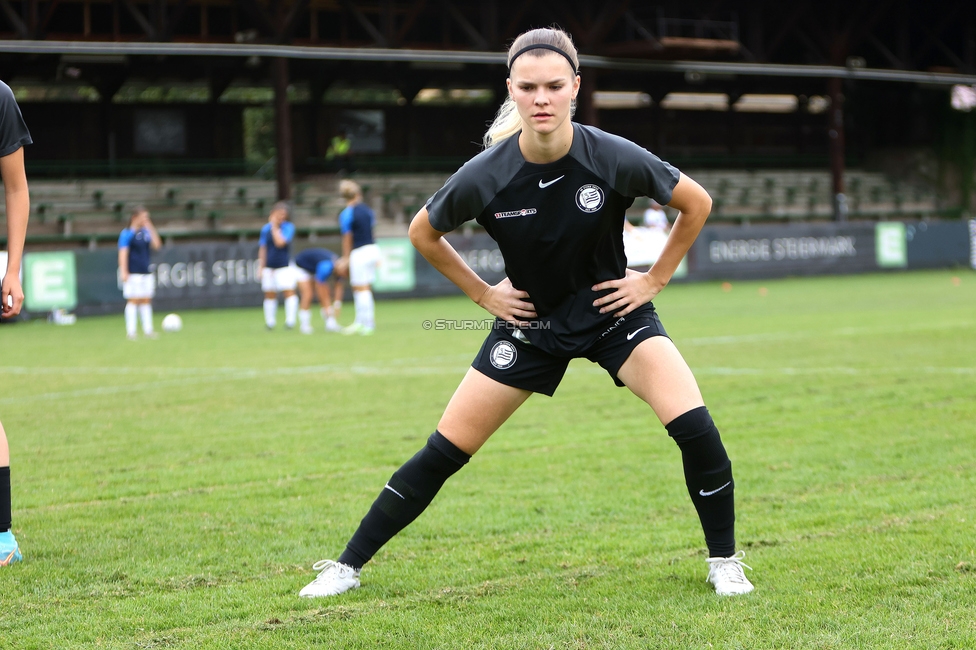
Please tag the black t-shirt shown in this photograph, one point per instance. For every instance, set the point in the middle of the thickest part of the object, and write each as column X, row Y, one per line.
column 13, row 131
column 559, row 226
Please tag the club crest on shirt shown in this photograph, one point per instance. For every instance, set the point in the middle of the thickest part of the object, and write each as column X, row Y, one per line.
column 503, row 355
column 589, row 198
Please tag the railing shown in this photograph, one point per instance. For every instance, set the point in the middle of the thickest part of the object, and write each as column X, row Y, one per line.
column 140, row 167
column 367, row 163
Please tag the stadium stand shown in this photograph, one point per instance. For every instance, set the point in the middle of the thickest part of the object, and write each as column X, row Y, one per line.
column 788, row 195
column 92, row 211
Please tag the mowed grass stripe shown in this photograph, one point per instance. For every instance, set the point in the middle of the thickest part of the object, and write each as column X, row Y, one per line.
column 341, row 371
column 184, row 510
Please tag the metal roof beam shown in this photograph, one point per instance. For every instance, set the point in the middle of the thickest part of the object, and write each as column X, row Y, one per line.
column 473, row 34
column 15, row 20
column 409, row 21
column 361, row 18
column 287, row 28
column 142, row 20
column 489, row 58
column 48, row 14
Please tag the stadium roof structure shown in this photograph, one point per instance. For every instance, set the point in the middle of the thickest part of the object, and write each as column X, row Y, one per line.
column 730, row 46
column 891, row 40
column 387, row 55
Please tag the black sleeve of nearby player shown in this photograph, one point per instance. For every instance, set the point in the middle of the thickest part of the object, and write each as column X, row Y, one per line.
column 13, row 130
column 633, row 170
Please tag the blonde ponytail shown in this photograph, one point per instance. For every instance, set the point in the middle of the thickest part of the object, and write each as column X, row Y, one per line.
column 507, row 121
column 506, row 124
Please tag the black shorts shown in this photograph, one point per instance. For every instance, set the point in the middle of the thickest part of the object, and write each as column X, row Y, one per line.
column 507, row 357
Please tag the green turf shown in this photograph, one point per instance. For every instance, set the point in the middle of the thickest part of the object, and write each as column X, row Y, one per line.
column 174, row 493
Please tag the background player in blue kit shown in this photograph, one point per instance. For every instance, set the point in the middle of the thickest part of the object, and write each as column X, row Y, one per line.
column 316, row 270
column 274, row 264
column 553, row 195
column 13, row 137
column 361, row 253
column 136, row 242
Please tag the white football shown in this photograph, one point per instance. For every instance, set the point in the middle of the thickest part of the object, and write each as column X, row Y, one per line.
column 172, row 323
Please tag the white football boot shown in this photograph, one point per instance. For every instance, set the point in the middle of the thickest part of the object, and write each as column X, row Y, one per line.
column 727, row 575
column 334, row 578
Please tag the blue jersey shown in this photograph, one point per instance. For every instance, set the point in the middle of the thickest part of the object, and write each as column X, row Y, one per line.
column 317, row 261
column 139, row 243
column 277, row 257
column 359, row 220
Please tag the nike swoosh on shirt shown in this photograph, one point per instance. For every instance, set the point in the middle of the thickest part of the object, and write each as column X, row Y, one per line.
column 543, row 186
column 634, row 333
column 708, row 494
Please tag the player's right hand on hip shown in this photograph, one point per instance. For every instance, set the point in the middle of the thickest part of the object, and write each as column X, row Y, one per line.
column 508, row 303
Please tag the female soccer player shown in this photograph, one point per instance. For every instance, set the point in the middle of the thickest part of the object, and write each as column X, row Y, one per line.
column 138, row 285
column 13, row 137
column 553, row 195
column 275, row 267
column 318, row 267
column 361, row 253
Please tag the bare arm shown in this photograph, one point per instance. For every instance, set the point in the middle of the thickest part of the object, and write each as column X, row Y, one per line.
column 694, row 205
column 636, row 289
column 502, row 300
column 277, row 237
column 124, row 263
column 18, row 212
column 347, row 244
column 155, row 242
column 262, row 257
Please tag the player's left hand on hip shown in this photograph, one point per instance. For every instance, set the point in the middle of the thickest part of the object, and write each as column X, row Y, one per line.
column 627, row 294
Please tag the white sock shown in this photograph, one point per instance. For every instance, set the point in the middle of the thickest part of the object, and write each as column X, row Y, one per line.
column 305, row 319
column 131, row 319
column 270, row 311
column 369, row 320
column 145, row 311
column 357, row 305
column 364, row 308
column 291, row 310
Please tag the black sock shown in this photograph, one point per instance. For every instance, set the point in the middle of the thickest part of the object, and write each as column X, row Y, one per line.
column 5, row 516
column 408, row 493
column 708, row 474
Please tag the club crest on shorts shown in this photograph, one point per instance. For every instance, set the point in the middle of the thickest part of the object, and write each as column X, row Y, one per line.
column 589, row 198
column 503, row 355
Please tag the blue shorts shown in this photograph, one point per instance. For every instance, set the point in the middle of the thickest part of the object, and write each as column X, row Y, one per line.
column 507, row 357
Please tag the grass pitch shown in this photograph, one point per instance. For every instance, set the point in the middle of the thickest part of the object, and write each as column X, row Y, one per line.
column 174, row 493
